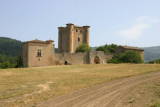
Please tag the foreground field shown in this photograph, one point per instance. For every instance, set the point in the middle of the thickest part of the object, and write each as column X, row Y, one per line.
column 31, row 86
column 136, row 91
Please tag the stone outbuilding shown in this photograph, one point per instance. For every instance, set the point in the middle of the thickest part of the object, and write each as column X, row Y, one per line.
column 131, row 48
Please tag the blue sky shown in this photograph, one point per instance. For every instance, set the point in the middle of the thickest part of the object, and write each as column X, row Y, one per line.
column 124, row 22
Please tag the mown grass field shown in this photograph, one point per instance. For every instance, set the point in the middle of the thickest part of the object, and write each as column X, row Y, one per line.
column 30, row 86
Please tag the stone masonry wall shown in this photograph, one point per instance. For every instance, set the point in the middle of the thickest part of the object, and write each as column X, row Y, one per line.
column 32, row 60
column 71, row 58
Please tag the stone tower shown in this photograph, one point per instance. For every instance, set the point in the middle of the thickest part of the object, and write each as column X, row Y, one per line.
column 71, row 37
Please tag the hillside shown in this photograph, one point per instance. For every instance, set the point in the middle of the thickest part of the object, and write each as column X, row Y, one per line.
column 10, row 47
column 151, row 53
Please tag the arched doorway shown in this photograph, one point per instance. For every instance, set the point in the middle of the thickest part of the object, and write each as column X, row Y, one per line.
column 65, row 62
column 96, row 60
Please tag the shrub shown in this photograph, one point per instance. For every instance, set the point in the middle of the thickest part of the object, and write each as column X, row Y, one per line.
column 10, row 62
column 83, row 48
column 7, row 65
column 126, row 57
column 155, row 62
column 108, row 48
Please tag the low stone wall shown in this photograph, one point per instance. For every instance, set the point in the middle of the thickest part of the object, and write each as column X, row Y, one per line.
column 82, row 58
column 71, row 58
column 99, row 55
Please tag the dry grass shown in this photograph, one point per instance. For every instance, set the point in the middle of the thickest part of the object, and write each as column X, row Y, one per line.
column 29, row 86
column 155, row 88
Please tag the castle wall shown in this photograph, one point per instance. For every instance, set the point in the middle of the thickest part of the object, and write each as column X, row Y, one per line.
column 100, row 55
column 82, row 58
column 72, row 58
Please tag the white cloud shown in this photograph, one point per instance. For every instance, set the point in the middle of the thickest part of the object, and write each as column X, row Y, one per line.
column 137, row 30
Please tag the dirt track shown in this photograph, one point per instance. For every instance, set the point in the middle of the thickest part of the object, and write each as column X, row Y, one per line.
column 110, row 94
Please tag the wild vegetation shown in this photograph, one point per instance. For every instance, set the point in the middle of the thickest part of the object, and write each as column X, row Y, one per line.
column 10, row 52
column 29, row 86
column 10, row 47
column 126, row 57
column 83, row 48
column 10, row 62
column 111, row 49
column 157, row 61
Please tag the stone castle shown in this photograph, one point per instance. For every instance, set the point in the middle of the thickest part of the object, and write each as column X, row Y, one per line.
column 42, row 53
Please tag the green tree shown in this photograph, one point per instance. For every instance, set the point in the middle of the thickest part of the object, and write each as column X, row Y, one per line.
column 83, row 48
column 157, row 61
column 19, row 62
column 10, row 61
column 108, row 48
column 126, row 57
column 7, row 65
column 10, row 47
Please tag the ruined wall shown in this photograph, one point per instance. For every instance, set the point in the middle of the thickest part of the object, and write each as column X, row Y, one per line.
column 82, row 58
column 31, row 58
column 93, row 55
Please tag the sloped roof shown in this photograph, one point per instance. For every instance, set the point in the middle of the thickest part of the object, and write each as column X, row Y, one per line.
column 39, row 41
column 132, row 48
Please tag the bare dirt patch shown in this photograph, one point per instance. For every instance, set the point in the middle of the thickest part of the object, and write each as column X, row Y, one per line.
column 44, row 87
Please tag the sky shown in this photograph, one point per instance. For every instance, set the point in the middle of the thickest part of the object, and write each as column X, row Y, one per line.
column 122, row 22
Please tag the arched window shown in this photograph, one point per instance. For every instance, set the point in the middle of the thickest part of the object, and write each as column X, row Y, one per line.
column 39, row 53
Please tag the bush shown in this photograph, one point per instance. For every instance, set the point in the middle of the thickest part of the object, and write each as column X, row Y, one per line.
column 115, row 59
column 126, row 57
column 155, row 62
column 108, row 48
column 7, row 65
column 10, row 62
column 83, row 48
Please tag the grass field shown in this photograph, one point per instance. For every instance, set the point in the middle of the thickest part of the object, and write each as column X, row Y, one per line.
column 29, row 86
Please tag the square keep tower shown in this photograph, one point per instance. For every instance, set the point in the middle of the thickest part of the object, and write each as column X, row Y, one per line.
column 71, row 37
